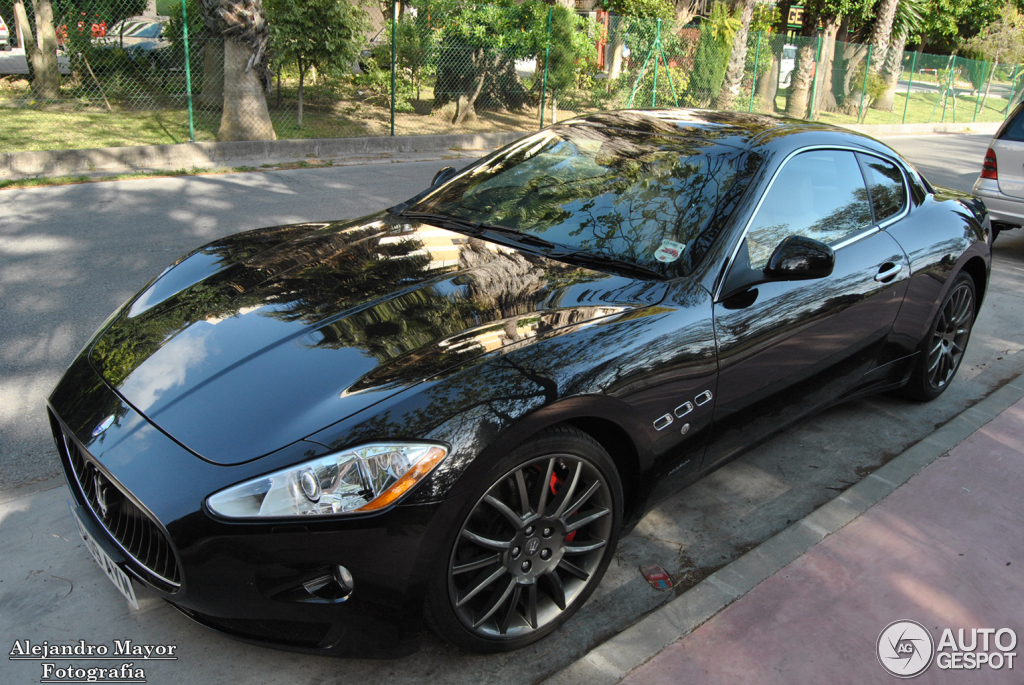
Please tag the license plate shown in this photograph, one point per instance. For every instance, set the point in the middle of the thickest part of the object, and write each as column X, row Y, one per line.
column 118, row 577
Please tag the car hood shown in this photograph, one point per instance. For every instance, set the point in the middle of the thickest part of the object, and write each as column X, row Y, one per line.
column 263, row 338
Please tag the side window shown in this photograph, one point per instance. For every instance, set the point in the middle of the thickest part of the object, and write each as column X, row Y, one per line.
column 885, row 184
column 818, row 194
column 1015, row 129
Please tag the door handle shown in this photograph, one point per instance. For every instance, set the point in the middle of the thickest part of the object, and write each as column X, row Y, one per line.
column 888, row 274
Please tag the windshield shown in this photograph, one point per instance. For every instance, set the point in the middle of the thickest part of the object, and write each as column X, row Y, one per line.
column 655, row 200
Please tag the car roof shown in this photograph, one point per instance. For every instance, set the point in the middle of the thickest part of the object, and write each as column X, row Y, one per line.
column 760, row 132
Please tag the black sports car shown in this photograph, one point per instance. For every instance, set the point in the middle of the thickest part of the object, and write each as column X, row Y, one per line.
column 321, row 436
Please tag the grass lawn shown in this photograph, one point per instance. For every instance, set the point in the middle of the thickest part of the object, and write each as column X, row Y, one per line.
column 922, row 108
column 53, row 129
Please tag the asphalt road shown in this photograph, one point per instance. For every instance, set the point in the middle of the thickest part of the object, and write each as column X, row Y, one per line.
column 71, row 254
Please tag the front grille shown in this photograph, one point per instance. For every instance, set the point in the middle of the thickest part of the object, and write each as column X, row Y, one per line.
column 132, row 528
column 294, row 633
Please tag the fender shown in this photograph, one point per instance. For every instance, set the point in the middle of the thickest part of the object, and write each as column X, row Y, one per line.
column 515, row 429
column 938, row 244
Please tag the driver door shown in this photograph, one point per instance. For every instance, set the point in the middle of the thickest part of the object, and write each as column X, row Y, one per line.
column 789, row 348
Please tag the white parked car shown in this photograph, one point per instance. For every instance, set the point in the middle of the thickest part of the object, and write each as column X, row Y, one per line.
column 13, row 61
column 1001, row 182
column 786, row 65
column 5, row 35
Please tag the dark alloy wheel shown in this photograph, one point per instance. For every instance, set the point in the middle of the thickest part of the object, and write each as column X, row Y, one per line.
column 943, row 349
column 534, row 545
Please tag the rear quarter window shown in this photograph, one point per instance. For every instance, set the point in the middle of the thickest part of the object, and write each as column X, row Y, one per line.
column 885, row 186
column 1015, row 128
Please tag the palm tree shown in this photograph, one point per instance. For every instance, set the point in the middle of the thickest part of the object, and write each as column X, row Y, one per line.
column 737, row 59
column 881, row 32
column 247, row 78
column 906, row 22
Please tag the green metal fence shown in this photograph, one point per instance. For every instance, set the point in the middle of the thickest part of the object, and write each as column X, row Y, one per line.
column 127, row 78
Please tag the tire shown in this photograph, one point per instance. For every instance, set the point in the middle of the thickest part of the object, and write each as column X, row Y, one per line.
column 943, row 348
column 522, row 558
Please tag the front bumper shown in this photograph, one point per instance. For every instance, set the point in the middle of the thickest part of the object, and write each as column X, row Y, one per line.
column 243, row 579
column 1002, row 208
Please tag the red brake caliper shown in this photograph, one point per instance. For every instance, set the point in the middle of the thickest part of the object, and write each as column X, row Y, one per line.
column 555, row 482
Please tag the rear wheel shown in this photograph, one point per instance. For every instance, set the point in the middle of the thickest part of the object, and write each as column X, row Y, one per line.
column 532, row 547
column 943, row 348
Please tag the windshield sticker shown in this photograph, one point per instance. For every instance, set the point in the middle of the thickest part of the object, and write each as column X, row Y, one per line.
column 669, row 251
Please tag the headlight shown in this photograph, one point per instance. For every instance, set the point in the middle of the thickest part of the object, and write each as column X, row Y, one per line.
column 363, row 479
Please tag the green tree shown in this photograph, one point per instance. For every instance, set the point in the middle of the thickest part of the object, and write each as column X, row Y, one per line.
column 326, row 34
column 572, row 50
column 417, row 42
column 948, row 23
column 617, row 29
column 713, row 50
column 477, row 51
column 642, row 9
column 1002, row 39
column 478, row 46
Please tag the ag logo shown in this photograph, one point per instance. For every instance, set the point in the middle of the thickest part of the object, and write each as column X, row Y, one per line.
column 905, row 649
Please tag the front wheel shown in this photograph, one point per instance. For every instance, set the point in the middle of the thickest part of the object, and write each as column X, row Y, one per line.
column 532, row 547
column 943, row 348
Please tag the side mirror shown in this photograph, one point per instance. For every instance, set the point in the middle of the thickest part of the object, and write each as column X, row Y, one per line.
column 798, row 258
column 443, row 175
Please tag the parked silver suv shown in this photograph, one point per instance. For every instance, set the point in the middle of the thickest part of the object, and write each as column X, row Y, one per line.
column 1001, row 183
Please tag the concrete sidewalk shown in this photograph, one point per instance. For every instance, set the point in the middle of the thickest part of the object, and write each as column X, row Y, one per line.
column 944, row 549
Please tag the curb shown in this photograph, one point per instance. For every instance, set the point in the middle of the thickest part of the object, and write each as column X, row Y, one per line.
column 203, row 155
column 144, row 157
column 613, row 660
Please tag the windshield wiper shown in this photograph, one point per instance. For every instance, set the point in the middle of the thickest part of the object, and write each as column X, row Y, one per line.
column 589, row 259
column 476, row 228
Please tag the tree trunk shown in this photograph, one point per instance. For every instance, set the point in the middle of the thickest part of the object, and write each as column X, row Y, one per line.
column 41, row 49
column 825, row 99
column 28, row 38
column 881, row 34
column 245, row 114
column 212, row 94
column 891, row 71
column 614, row 52
column 995, row 65
column 768, row 85
column 302, row 79
column 853, row 54
column 465, row 106
column 737, row 59
column 800, row 83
